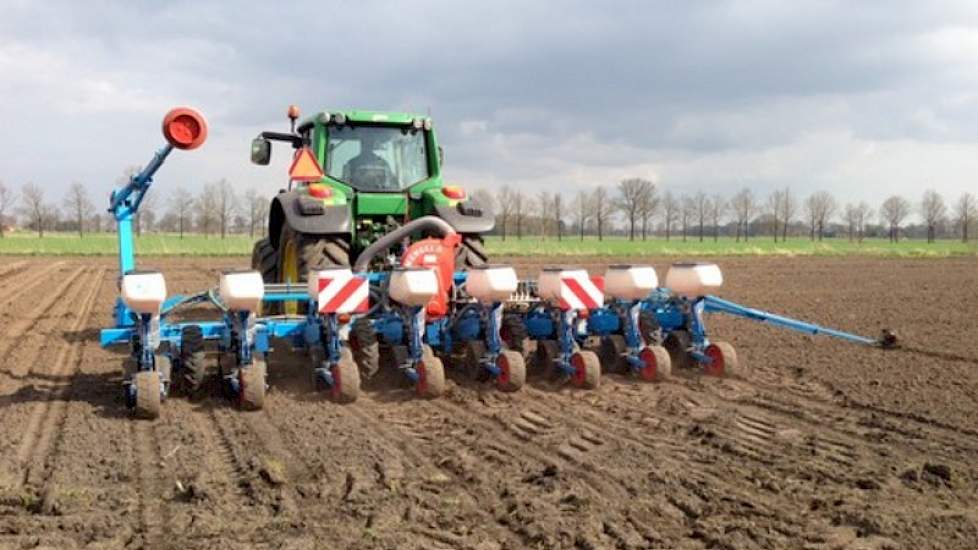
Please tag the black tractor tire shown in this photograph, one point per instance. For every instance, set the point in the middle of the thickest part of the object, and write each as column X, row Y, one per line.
column 264, row 259
column 471, row 253
column 514, row 334
column 312, row 252
column 192, row 359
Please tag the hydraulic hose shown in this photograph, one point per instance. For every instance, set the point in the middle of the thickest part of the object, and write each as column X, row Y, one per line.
column 429, row 223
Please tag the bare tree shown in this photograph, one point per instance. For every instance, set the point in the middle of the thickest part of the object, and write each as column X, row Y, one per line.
column 849, row 215
column 702, row 211
column 181, row 206
column 819, row 206
column 965, row 210
column 558, row 222
column 863, row 214
column 670, row 210
column 789, row 207
column 33, row 207
column 774, row 202
column 504, row 198
column 648, row 207
column 687, row 209
column 743, row 206
column 602, row 209
column 226, row 205
column 205, row 209
column 631, row 193
column 7, row 200
column 256, row 207
column 718, row 206
column 145, row 218
column 933, row 210
column 543, row 204
column 519, row 211
column 894, row 210
column 78, row 205
column 582, row 206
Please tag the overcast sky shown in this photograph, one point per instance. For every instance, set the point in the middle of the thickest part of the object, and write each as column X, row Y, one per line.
column 863, row 99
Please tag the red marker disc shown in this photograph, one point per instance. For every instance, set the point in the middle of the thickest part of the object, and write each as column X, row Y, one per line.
column 185, row 128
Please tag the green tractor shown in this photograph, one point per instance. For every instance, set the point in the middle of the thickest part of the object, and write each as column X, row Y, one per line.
column 372, row 172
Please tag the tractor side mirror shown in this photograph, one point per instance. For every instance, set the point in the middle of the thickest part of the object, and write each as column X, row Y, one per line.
column 261, row 151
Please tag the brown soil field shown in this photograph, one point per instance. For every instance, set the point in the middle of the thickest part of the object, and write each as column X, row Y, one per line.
column 824, row 444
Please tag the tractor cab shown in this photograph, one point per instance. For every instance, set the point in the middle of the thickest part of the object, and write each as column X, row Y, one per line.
column 372, row 172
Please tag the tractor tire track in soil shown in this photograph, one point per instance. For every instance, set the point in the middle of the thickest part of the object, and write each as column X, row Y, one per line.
column 822, row 445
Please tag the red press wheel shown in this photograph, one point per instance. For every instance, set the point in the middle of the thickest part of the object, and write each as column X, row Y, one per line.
column 587, row 369
column 723, row 360
column 657, row 365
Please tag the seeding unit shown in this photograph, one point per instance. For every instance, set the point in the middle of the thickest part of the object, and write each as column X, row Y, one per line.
column 420, row 309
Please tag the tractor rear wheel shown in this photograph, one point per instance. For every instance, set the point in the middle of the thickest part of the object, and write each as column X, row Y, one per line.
column 299, row 253
column 192, row 358
column 471, row 252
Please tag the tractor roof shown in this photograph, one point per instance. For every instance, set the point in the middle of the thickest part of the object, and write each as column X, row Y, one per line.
column 354, row 115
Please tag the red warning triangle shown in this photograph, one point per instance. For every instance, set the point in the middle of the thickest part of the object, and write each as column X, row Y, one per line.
column 304, row 166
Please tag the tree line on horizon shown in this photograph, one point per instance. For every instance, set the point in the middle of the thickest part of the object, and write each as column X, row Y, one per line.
column 635, row 208
column 216, row 209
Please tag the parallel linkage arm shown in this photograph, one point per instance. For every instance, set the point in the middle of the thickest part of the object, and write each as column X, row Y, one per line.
column 712, row 304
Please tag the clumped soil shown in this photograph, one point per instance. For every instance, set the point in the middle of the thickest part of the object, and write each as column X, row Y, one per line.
column 823, row 445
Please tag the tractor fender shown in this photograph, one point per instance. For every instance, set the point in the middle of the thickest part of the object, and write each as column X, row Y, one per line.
column 467, row 217
column 305, row 214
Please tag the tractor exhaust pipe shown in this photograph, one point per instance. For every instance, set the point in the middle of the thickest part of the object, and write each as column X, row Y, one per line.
column 429, row 223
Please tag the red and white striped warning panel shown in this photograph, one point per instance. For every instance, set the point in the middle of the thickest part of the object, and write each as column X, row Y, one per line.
column 578, row 291
column 340, row 291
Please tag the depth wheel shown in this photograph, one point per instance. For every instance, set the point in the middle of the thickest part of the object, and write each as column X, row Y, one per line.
column 548, row 351
column 656, row 364
column 723, row 361
column 512, row 371
column 514, row 334
column 251, row 379
column 346, row 378
column 475, row 350
column 147, row 384
column 678, row 343
column 613, row 349
column 431, row 375
column 366, row 348
column 587, row 369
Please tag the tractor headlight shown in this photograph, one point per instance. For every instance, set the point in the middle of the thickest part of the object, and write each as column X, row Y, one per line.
column 427, row 124
column 339, row 118
column 417, row 123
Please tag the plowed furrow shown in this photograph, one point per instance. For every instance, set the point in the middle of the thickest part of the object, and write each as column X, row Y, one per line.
column 24, row 333
column 152, row 507
column 13, row 285
column 47, row 417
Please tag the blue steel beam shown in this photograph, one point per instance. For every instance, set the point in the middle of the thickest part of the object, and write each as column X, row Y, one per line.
column 717, row 305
